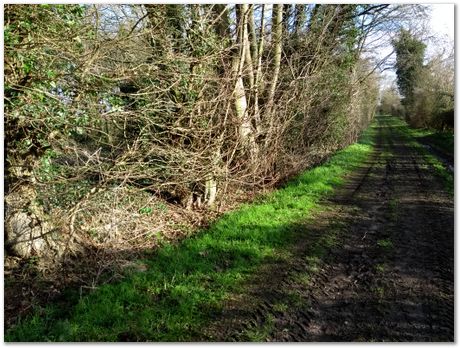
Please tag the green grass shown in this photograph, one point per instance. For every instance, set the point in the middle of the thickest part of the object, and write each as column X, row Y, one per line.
column 393, row 209
column 262, row 332
column 280, row 307
column 409, row 136
column 443, row 141
column 184, row 285
column 380, row 267
column 385, row 244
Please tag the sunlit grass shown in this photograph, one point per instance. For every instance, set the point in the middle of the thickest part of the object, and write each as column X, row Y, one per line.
column 443, row 141
column 409, row 135
column 184, row 285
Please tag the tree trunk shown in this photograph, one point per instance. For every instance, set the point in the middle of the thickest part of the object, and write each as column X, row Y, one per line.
column 252, row 34
column 277, row 32
column 246, row 135
column 258, row 76
column 210, row 185
column 222, row 25
column 247, row 48
column 300, row 19
column 288, row 10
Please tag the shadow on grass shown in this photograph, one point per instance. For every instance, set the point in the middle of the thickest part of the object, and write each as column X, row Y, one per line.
column 181, row 287
column 442, row 144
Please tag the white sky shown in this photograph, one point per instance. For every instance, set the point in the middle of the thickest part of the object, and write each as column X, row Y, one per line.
column 442, row 28
column 442, row 19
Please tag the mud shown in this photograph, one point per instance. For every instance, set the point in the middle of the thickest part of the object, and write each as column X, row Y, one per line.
column 446, row 158
column 386, row 266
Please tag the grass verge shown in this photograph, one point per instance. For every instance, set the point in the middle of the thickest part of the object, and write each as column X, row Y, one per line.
column 180, row 287
column 441, row 141
column 409, row 135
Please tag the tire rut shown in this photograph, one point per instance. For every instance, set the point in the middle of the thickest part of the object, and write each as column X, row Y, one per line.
column 387, row 277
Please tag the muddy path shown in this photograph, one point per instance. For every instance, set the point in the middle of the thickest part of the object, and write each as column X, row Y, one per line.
column 383, row 264
column 445, row 158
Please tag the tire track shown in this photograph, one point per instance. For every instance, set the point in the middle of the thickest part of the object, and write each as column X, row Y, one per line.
column 389, row 276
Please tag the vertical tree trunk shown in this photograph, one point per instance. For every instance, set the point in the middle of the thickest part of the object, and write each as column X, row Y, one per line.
column 175, row 21
column 199, row 29
column 288, row 10
column 277, row 33
column 210, row 189
column 222, row 20
column 247, row 48
column 259, row 68
column 300, row 19
column 239, row 93
column 252, row 34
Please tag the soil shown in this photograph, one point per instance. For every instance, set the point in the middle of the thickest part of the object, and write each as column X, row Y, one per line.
column 447, row 159
column 387, row 277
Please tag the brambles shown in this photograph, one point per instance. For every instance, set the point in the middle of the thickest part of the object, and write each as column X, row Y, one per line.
column 125, row 120
column 176, row 100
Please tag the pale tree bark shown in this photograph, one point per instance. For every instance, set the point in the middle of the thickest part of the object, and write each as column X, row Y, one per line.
column 252, row 34
column 239, row 93
column 241, row 104
column 210, row 189
column 277, row 33
column 258, row 66
column 199, row 28
column 247, row 48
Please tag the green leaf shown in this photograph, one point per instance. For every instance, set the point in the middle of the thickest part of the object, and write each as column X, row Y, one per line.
column 26, row 67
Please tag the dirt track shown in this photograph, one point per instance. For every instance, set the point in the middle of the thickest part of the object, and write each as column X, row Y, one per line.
column 388, row 277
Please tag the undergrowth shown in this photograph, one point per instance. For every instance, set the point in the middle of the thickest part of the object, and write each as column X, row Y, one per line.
column 181, row 287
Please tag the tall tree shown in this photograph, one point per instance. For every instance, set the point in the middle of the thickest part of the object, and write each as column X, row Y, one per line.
column 410, row 52
column 277, row 43
column 241, row 60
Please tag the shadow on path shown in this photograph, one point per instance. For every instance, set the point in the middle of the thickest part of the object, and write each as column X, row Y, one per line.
column 377, row 265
